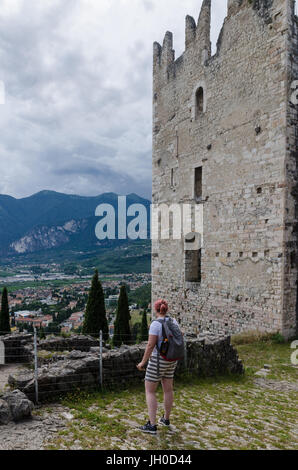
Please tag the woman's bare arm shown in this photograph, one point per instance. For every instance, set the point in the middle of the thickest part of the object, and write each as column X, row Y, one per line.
column 149, row 350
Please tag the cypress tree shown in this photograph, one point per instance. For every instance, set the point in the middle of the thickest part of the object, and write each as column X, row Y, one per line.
column 144, row 327
column 95, row 314
column 4, row 314
column 122, row 333
column 135, row 333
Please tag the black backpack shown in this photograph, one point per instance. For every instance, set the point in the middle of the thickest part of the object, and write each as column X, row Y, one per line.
column 172, row 346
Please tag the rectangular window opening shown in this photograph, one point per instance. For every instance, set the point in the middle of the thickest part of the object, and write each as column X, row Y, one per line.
column 193, row 266
column 198, row 184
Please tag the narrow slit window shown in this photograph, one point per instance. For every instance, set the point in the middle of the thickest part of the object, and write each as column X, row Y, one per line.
column 198, row 184
column 199, row 102
column 172, row 177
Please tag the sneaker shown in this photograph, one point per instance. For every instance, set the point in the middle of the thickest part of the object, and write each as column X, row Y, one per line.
column 148, row 428
column 164, row 422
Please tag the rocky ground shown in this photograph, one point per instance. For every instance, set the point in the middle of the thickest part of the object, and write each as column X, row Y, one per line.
column 257, row 411
column 35, row 433
column 5, row 372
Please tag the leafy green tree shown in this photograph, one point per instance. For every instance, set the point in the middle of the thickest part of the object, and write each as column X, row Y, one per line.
column 41, row 333
column 27, row 327
column 122, row 333
column 141, row 296
column 144, row 328
column 95, row 314
column 4, row 314
column 53, row 328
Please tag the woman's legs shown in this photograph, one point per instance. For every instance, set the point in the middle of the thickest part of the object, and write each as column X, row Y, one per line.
column 151, row 400
column 167, row 385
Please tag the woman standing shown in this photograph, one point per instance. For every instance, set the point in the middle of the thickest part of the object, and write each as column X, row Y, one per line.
column 158, row 370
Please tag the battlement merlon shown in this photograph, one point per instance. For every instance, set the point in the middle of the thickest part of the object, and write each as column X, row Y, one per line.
column 164, row 55
column 203, row 32
column 190, row 31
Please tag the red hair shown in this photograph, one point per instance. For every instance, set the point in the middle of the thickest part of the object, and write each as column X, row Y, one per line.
column 161, row 306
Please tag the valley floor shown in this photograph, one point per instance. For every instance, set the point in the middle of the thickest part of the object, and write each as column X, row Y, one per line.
column 250, row 412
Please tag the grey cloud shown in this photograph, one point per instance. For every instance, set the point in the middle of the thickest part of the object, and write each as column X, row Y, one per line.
column 78, row 80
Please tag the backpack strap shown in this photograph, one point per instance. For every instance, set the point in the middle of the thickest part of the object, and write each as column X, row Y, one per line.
column 162, row 322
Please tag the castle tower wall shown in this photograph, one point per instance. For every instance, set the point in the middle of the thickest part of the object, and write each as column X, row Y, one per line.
column 229, row 116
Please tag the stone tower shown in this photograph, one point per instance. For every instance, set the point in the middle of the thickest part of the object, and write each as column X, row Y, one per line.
column 225, row 140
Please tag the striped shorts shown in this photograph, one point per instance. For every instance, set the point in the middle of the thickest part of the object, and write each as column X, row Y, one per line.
column 166, row 369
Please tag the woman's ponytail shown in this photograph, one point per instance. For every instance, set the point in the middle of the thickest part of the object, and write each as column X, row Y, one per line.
column 161, row 306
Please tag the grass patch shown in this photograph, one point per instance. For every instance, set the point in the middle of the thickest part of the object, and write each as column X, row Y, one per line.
column 249, row 337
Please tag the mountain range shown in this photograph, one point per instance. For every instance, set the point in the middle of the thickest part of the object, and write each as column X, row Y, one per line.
column 49, row 221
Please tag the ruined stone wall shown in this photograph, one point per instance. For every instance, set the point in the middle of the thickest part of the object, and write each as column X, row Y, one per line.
column 72, row 343
column 240, row 139
column 17, row 348
column 206, row 356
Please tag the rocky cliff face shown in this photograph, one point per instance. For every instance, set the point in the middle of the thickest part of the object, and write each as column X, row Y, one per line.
column 49, row 220
column 44, row 238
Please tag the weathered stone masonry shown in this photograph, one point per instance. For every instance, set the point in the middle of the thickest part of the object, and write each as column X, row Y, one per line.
column 228, row 119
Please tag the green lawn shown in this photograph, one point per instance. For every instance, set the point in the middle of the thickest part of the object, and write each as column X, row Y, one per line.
column 219, row 413
column 136, row 317
column 6, row 274
column 42, row 284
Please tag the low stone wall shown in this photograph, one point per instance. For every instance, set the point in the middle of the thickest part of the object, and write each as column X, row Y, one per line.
column 17, row 348
column 210, row 355
column 80, row 370
column 75, row 342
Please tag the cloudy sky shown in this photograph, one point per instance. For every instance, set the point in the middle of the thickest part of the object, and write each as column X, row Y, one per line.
column 78, row 73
